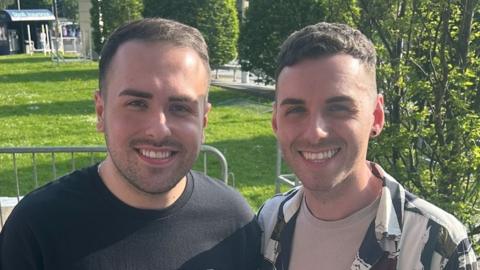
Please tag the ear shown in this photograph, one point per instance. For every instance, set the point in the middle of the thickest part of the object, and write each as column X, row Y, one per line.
column 207, row 109
column 274, row 117
column 378, row 116
column 100, row 110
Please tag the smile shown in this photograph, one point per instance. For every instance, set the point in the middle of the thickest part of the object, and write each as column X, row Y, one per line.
column 319, row 156
column 155, row 154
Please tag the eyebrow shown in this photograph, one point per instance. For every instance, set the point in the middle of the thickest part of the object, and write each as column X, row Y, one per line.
column 148, row 95
column 181, row 99
column 296, row 101
column 292, row 101
column 340, row 99
column 136, row 93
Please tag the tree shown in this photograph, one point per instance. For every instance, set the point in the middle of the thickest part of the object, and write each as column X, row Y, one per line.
column 7, row 4
column 269, row 22
column 117, row 12
column 68, row 9
column 95, row 23
column 32, row 4
column 183, row 11
column 216, row 19
column 106, row 16
column 428, row 69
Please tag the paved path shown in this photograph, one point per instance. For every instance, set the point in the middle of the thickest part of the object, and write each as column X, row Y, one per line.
column 255, row 89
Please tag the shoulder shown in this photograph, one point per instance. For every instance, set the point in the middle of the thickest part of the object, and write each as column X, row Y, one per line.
column 287, row 201
column 282, row 206
column 417, row 210
column 209, row 184
column 448, row 224
column 440, row 227
column 267, row 214
column 31, row 221
column 52, row 196
column 217, row 195
column 278, row 209
column 421, row 217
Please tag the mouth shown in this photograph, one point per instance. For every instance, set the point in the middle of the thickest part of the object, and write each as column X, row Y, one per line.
column 319, row 156
column 156, row 154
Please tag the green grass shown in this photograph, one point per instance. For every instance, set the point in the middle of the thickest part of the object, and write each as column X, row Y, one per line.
column 43, row 103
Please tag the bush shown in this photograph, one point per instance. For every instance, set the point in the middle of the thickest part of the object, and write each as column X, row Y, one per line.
column 216, row 19
column 106, row 16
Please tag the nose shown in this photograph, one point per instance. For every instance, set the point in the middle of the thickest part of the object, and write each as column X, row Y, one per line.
column 317, row 129
column 158, row 127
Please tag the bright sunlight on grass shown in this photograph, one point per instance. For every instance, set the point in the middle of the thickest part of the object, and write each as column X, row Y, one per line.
column 43, row 103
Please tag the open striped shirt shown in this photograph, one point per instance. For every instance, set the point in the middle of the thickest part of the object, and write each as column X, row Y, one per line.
column 408, row 233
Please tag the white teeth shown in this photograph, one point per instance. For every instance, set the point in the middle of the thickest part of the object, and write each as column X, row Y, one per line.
column 157, row 155
column 319, row 156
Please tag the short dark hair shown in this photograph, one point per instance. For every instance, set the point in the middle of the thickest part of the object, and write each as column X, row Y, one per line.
column 325, row 39
column 152, row 30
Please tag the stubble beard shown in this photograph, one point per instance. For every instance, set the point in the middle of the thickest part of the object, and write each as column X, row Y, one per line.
column 127, row 167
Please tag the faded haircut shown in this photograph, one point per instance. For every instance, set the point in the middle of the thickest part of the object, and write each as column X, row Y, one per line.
column 152, row 30
column 326, row 39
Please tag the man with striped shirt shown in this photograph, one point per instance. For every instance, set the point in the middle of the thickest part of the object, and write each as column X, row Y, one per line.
column 348, row 213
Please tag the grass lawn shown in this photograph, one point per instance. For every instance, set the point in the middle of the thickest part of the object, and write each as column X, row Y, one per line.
column 43, row 103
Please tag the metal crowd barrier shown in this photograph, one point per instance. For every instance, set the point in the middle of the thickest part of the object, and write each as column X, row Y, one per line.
column 93, row 153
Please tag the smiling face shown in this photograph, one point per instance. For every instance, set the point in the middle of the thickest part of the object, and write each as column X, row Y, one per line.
column 325, row 111
column 153, row 115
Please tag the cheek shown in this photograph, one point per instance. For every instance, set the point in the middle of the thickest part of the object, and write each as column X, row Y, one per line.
column 121, row 124
column 358, row 132
column 287, row 133
column 291, row 129
column 191, row 128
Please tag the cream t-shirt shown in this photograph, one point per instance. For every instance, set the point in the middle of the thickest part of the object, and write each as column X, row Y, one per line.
column 329, row 245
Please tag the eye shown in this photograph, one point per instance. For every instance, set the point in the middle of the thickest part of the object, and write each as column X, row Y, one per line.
column 295, row 110
column 339, row 108
column 138, row 104
column 342, row 110
column 180, row 109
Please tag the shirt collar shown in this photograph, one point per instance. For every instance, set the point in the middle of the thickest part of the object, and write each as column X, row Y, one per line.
column 388, row 220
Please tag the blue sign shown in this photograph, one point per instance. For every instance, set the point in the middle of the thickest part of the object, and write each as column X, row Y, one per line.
column 27, row 15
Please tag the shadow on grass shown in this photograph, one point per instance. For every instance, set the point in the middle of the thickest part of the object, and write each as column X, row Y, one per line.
column 222, row 98
column 77, row 107
column 251, row 161
column 26, row 60
column 225, row 120
column 45, row 172
column 51, row 76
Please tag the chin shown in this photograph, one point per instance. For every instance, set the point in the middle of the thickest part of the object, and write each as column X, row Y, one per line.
column 319, row 186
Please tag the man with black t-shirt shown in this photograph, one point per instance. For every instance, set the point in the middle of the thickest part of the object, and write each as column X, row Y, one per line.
column 142, row 207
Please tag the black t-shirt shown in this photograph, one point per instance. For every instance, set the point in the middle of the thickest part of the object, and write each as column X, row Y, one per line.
column 75, row 222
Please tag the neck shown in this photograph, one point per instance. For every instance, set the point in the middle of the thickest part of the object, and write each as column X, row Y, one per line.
column 353, row 194
column 131, row 195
